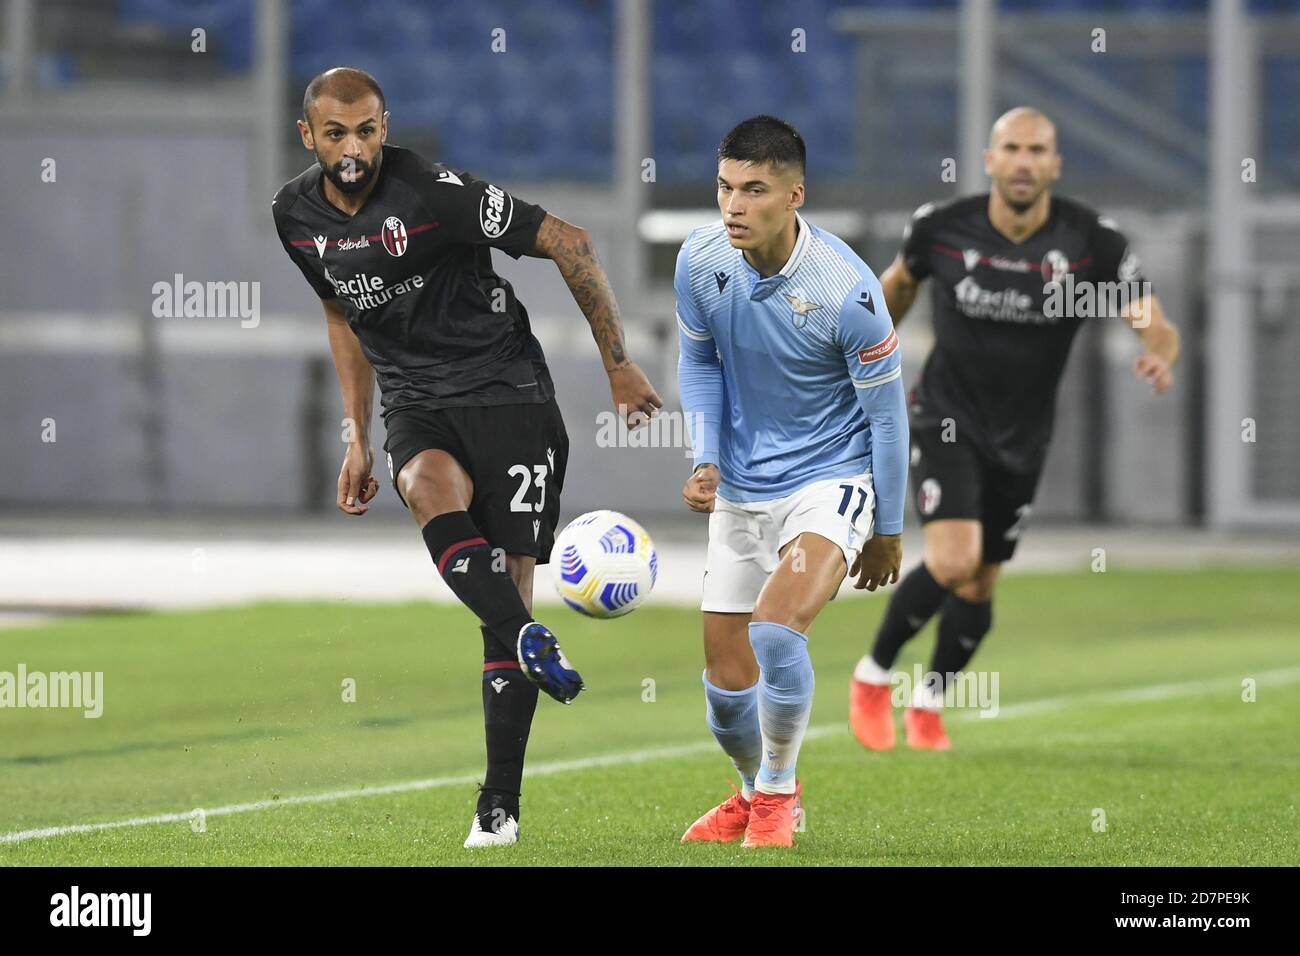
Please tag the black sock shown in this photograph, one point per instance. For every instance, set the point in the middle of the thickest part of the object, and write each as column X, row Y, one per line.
column 474, row 574
column 962, row 626
column 914, row 602
column 509, row 700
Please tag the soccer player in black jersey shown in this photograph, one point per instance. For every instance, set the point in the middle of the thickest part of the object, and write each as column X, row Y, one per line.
column 399, row 250
column 1015, row 273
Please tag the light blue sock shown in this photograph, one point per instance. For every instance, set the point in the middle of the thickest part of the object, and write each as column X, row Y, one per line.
column 785, row 695
column 732, row 715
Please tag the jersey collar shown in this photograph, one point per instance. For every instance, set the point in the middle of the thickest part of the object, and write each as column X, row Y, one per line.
column 763, row 287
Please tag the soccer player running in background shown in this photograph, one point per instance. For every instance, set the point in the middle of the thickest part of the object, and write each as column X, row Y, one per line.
column 790, row 377
column 1004, row 264
column 399, row 250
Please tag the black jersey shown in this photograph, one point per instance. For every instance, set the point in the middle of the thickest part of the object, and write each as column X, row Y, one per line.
column 413, row 269
column 998, row 352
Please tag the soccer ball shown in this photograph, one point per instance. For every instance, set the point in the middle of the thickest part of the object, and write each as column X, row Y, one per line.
column 604, row 564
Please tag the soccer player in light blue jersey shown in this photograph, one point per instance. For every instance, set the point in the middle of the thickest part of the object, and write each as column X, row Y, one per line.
column 791, row 378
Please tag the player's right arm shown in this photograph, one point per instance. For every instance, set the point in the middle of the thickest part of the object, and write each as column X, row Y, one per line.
column 357, row 385
column 699, row 379
column 902, row 280
column 356, row 380
column 900, row 287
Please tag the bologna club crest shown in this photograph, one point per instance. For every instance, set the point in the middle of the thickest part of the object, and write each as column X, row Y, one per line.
column 1056, row 266
column 927, row 499
column 394, row 236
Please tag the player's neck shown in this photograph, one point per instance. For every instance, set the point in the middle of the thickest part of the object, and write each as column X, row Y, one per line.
column 767, row 260
column 1019, row 226
column 348, row 203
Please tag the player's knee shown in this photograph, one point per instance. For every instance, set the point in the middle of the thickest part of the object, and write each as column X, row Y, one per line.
column 979, row 589
column 733, row 675
column 953, row 568
column 797, row 615
column 427, row 497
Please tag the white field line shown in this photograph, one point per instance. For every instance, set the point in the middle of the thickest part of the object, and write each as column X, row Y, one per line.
column 1280, row 677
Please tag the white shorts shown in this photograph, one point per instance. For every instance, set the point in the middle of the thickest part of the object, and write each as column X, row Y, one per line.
column 746, row 537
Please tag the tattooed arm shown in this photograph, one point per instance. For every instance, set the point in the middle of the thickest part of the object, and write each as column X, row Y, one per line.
column 570, row 248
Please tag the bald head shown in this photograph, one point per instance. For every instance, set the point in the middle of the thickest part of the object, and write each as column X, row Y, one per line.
column 1024, row 122
column 1022, row 159
column 343, row 83
column 345, row 125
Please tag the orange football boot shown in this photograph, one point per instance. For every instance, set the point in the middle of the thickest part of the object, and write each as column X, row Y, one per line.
column 725, row 823
column 871, row 714
column 925, row 730
column 772, row 819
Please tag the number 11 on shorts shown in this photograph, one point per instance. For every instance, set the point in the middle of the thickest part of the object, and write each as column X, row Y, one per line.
column 848, row 498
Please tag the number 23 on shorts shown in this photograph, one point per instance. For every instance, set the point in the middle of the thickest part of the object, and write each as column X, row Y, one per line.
column 535, row 477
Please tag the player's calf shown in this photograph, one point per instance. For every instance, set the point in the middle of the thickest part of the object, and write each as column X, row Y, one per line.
column 809, row 574
column 477, row 576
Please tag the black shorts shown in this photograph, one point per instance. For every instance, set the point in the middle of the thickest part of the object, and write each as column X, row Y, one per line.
column 954, row 479
column 514, row 454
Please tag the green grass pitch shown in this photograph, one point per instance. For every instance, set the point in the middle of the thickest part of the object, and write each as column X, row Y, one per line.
column 1121, row 692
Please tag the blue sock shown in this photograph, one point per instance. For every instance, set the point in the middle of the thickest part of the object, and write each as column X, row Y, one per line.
column 785, row 695
column 732, row 715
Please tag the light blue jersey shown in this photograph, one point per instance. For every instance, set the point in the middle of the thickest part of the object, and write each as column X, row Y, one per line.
column 794, row 378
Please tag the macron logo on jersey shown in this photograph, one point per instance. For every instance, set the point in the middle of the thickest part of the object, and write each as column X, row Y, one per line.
column 880, row 350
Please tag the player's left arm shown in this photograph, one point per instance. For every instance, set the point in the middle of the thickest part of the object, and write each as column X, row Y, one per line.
column 1160, row 342
column 571, row 249
column 1117, row 262
column 875, row 365
column 478, row 213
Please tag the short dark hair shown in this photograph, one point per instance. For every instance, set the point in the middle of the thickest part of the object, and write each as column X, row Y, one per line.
column 344, row 83
column 765, row 140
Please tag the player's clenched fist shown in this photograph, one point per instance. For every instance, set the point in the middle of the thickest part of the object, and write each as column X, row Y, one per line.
column 702, row 488
column 356, row 485
column 879, row 562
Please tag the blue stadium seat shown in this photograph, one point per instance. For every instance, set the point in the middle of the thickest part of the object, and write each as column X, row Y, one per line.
column 546, row 108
